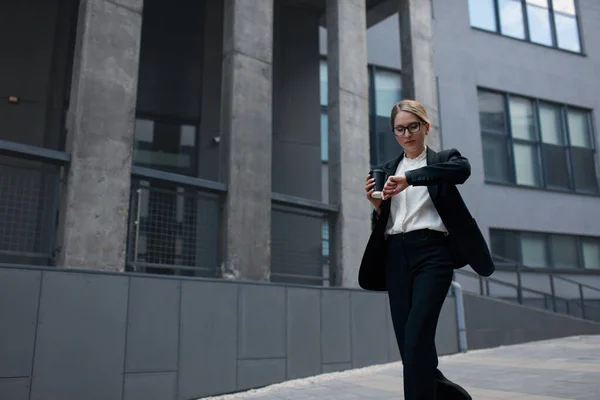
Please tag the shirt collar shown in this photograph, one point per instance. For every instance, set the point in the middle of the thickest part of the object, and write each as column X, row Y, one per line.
column 419, row 158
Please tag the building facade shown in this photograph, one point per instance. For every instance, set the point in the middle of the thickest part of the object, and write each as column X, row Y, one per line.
column 232, row 139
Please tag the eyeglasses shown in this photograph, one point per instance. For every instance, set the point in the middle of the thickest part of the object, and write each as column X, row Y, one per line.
column 413, row 127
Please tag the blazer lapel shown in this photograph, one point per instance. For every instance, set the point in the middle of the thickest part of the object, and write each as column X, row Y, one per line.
column 391, row 167
column 432, row 158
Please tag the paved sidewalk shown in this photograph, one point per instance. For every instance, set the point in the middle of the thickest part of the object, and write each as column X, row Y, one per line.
column 562, row 369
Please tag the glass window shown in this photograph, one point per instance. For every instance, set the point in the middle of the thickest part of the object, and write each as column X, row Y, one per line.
column 324, row 136
column 551, row 124
column 387, row 92
column 491, row 112
column 504, row 245
column 527, row 166
column 165, row 145
column 591, row 253
column 537, row 146
column 522, row 118
column 483, row 14
column 549, row 22
column 538, row 16
column 511, row 18
column 564, row 251
column 533, row 250
column 496, row 159
column 555, row 155
column 387, row 145
column 556, row 167
column 323, row 82
column 567, row 30
column 579, row 129
column 584, row 170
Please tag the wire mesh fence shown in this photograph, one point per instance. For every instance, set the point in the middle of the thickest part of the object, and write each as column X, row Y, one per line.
column 28, row 210
column 173, row 230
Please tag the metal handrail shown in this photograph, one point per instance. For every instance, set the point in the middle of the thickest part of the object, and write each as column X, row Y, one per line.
column 35, row 153
column 485, row 282
column 548, row 271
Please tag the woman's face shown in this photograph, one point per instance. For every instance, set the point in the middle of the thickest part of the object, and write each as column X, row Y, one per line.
column 412, row 143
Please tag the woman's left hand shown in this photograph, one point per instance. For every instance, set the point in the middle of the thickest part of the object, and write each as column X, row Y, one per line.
column 394, row 185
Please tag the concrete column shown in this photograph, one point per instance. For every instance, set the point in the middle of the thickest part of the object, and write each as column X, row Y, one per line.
column 348, row 133
column 100, row 125
column 246, row 126
column 418, row 73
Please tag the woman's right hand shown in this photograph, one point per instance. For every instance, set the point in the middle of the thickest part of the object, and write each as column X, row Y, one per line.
column 370, row 188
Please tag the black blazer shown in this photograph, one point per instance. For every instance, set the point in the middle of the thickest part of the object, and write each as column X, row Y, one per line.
column 443, row 172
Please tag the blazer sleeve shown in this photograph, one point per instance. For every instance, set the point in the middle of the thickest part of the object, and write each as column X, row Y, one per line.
column 455, row 170
column 374, row 219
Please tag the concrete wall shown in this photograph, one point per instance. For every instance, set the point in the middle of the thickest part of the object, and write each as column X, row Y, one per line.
column 493, row 322
column 73, row 335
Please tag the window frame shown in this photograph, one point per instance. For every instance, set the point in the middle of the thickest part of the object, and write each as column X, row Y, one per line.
column 564, row 114
column 373, row 137
column 517, row 235
column 527, row 38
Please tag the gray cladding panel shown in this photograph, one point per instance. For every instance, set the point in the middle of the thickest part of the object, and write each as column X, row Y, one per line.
column 335, row 327
column 303, row 333
column 336, row 367
column 81, row 337
column 262, row 326
column 14, row 389
column 393, row 351
column 19, row 294
column 153, row 325
column 369, row 329
column 208, row 346
column 446, row 338
column 492, row 323
column 257, row 373
column 151, row 386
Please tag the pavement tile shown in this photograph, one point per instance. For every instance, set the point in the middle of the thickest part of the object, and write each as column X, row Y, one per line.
column 560, row 369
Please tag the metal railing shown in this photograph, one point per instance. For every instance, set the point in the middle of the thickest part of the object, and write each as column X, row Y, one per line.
column 31, row 180
column 174, row 224
column 175, row 229
column 301, row 234
column 575, row 303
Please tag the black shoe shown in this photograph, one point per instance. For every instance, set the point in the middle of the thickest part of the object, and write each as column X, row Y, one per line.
column 448, row 390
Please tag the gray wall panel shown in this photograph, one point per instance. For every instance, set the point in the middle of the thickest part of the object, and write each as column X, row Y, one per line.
column 81, row 337
column 393, row 351
column 208, row 339
column 257, row 373
column 17, row 332
column 262, row 326
column 336, row 367
column 335, row 327
column 303, row 332
column 492, row 322
column 153, row 325
column 150, row 386
column 369, row 328
column 446, row 338
column 14, row 389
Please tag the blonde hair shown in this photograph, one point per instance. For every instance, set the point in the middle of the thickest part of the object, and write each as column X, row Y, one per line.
column 411, row 106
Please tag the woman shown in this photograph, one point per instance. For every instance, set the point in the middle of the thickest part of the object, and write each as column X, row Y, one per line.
column 422, row 231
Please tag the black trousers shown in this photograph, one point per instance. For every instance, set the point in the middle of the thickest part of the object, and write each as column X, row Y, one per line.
column 419, row 270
